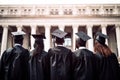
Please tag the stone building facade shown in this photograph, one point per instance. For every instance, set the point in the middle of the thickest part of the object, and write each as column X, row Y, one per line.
column 70, row 18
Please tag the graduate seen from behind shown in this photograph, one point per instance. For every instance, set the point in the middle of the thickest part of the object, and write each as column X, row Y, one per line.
column 107, row 67
column 37, row 60
column 84, row 59
column 14, row 61
column 60, row 58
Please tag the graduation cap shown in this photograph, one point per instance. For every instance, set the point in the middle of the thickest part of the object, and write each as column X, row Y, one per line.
column 38, row 38
column 59, row 34
column 18, row 34
column 83, row 36
column 101, row 37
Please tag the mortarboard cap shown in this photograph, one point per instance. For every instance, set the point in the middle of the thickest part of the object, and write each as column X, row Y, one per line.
column 101, row 37
column 83, row 36
column 38, row 36
column 18, row 34
column 59, row 34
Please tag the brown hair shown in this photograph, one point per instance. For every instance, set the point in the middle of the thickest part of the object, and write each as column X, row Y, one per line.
column 39, row 47
column 102, row 49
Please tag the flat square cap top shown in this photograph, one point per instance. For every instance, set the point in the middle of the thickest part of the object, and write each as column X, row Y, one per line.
column 83, row 36
column 18, row 33
column 58, row 33
column 38, row 36
column 102, row 35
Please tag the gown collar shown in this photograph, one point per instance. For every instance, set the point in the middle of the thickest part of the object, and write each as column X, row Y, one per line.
column 59, row 45
column 82, row 48
column 17, row 45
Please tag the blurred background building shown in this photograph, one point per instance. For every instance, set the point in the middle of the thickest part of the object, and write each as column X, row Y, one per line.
column 45, row 19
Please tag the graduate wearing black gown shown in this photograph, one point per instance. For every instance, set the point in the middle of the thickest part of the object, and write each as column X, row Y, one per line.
column 37, row 60
column 83, row 62
column 107, row 67
column 14, row 61
column 60, row 59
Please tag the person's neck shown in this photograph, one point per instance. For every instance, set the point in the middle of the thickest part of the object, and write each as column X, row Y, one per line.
column 59, row 44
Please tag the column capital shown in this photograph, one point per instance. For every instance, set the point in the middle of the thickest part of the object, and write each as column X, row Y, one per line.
column 47, row 26
column 75, row 26
column 61, row 27
column 103, row 25
column 117, row 25
column 5, row 26
column 19, row 27
column 89, row 25
column 33, row 26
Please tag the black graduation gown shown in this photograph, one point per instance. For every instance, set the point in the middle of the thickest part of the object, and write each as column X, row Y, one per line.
column 107, row 68
column 14, row 64
column 60, row 63
column 37, row 66
column 83, row 65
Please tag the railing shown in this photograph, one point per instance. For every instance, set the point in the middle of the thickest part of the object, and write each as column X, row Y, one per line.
column 77, row 10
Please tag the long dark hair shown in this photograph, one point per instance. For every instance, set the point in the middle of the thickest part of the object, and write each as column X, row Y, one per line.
column 102, row 49
column 39, row 47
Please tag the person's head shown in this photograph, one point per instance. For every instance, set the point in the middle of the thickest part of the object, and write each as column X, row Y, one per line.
column 18, row 37
column 81, row 41
column 59, row 36
column 39, row 43
column 59, row 41
column 100, row 46
column 101, row 38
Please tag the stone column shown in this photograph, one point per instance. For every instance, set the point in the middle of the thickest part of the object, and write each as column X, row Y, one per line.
column 33, row 31
column 61, row 27
column 19, row 28
column 47, row 34
column 89, row 33
column 4, row 39
column 75, row 30
column 104, row 31
column 118, row 39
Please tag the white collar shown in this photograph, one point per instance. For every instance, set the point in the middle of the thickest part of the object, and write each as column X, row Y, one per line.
column 59, row 45
column 17, row 44
column 82, row 48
